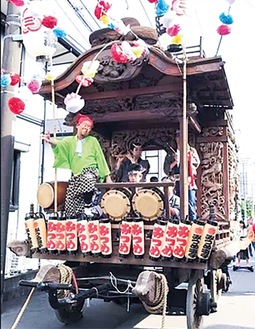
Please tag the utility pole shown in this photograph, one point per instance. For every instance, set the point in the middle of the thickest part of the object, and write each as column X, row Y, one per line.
column 11, row 63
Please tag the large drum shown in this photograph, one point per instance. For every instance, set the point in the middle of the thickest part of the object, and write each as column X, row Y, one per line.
column 148, row 203
column 116, row 203
column 46, row 195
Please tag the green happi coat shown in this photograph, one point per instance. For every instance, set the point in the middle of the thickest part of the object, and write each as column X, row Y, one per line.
column 92, row 155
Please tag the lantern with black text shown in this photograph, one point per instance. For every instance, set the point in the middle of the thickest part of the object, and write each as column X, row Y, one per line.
column 40, row 41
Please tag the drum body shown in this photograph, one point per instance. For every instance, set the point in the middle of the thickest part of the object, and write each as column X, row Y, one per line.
column 46, row 195
column 116, row 203
column 148, row 203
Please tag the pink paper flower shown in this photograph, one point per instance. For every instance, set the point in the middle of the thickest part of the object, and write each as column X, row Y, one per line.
column 18, row 3
column 224, row 29
column 85, row 82
column 34, row 85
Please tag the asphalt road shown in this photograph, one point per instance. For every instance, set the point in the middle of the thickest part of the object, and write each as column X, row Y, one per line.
column 236, row 310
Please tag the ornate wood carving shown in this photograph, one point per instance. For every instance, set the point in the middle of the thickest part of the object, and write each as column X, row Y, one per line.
column 211, row 185
column 111, row 71
column 148, row 138
column 234, row 193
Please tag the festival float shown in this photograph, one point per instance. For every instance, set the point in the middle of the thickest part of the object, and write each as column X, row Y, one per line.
column 137, row 92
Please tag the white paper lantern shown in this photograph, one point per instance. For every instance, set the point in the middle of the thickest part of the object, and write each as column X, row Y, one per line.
column 39, row 41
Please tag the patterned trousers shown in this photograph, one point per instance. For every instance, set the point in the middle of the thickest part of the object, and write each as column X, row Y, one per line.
column 80, row 191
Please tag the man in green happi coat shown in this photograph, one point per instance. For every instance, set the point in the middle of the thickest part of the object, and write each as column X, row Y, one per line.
column 83, row 155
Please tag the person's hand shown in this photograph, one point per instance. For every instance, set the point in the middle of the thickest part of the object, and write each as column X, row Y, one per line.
column 108, row 179
column 49, row 140
column 129, row 156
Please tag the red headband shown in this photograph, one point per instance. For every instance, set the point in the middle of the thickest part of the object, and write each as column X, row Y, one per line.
column 81, row 118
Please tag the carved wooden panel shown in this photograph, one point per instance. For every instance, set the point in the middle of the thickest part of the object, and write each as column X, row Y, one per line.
column 211, row 184
column 148, row 138
column 234, row 193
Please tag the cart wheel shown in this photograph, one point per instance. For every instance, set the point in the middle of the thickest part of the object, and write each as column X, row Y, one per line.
column 194, row 294
column 70, row 314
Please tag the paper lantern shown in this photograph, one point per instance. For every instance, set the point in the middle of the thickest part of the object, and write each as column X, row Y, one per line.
column 40, row 42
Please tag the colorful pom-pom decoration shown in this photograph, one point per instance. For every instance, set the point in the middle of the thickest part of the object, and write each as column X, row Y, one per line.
column 90, row 68
column 101, row 8
column 5, row 80
column 174, row 30
column 74, row 103
column 85, row 82
column 226, row 19
column 18, row 3
column 49, row 76
column 121, row 54
column 60, row 33
column 223, row 29
column 161, row 7
column 49, row 22
column 34, row 85
column 16, row 105
column 15, row 79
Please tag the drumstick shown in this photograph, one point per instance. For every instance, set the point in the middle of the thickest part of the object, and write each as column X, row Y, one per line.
column 172, row 150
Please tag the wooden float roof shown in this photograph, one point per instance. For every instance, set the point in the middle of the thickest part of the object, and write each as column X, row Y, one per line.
column 146, row 92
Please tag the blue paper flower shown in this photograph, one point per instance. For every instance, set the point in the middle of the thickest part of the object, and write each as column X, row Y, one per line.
column 226, row 19
column 5, row 80
column 161, row 8
column 60, row 33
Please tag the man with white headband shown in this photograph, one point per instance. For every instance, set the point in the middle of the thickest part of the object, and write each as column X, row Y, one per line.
column 83, row 155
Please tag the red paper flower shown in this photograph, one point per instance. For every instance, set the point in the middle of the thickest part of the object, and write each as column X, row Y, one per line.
column 16, row 105
column 49, row 21
column 101, row 8
column 15, row 79
column 18, row 3
column 153, row 1
column 85, row 82
column 118, row 55
column 224, row 29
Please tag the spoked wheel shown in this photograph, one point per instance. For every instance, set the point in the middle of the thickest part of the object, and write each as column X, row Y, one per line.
column 194, row 295
column 70, row 314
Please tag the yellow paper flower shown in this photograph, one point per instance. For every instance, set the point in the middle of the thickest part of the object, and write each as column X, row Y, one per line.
column 49, row 77
column 177, row 39
column 89, row 69
column 105, row 19
column 138, row 51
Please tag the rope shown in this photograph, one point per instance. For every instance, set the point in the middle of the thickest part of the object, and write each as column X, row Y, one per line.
column 114, row 283
column 21, row 312
column 160, row 303
column 66, row 275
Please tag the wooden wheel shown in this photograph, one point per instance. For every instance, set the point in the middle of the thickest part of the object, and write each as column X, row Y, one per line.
column 70, row 314
column 194, row 294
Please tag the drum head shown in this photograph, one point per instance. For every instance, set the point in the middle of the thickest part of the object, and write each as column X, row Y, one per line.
column 116, row 203
column 148, row 203
column 45, row 195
